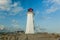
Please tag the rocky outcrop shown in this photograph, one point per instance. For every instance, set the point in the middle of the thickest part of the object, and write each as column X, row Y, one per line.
column 41, row 36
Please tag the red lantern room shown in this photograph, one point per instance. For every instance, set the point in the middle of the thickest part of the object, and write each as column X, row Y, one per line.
column 30, row 9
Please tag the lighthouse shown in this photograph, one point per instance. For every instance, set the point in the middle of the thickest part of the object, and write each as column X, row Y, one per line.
column 30, row 22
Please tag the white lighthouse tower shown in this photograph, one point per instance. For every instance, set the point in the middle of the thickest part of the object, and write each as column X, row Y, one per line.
column 30, row 22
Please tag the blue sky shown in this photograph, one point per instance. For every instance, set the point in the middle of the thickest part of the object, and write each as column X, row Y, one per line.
column 13, row 15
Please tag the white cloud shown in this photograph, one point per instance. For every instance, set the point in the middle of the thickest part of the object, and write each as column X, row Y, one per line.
column 37, row 12
column 55, row 5
column 16, row 8
column 52, row 9
column 15, row 25
column 1, row 27
column 57, row 1
column 3, row 2
column 15, row 4
column 13, row 9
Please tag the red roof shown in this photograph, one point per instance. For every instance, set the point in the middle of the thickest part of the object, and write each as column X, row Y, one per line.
column 30, row 9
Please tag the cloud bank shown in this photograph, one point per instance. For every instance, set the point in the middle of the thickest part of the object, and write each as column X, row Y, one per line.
column 12, row 9
column 53, row 5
